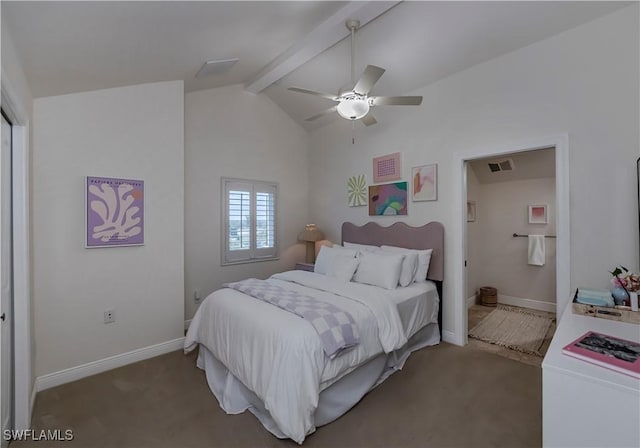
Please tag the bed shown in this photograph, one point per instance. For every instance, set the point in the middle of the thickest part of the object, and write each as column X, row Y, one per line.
column 261, row 358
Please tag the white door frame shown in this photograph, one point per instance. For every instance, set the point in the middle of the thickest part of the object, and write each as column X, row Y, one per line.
column 562, row 214
column 24, row 393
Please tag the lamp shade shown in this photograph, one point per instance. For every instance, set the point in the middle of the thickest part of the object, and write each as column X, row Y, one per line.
column 310, row 233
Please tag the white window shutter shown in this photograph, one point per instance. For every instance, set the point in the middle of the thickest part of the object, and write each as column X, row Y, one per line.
column 249, row 218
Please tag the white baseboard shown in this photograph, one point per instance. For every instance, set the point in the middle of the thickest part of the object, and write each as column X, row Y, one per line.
column 187, row 323
column 527, row 303
column 82, row 371
column 471, row 301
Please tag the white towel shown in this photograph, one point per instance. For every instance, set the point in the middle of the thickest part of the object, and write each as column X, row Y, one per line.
column 536, row 250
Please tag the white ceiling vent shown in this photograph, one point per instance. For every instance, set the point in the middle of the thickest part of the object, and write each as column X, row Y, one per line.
column 218, row 67
column 502, row 165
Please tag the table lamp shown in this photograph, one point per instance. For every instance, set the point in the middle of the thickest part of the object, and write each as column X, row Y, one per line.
column 310, row 234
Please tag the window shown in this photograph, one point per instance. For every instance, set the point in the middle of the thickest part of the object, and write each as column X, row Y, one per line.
column 249, row 214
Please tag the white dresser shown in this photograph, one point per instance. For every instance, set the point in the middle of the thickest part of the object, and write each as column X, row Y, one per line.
column 583, row 404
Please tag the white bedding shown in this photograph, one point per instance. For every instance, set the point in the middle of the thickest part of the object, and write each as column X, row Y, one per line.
column 268, row 349
column 417, row 305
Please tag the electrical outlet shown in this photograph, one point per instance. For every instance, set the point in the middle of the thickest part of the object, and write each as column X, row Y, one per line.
column 109, row 316
column 197, row 297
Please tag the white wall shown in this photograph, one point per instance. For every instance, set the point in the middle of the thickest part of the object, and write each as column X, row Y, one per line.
column 500, row 260
column 572, row 83
column 232, row 133
column 132, row 132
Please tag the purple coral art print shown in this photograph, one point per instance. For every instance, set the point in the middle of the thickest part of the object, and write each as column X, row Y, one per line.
column 114, row 212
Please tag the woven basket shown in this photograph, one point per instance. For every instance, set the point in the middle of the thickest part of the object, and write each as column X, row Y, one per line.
column 489, row 296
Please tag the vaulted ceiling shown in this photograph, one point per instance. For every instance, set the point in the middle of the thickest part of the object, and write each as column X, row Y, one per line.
column 69, row 47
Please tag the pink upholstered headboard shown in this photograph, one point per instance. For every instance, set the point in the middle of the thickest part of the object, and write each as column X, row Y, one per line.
column 428, row 236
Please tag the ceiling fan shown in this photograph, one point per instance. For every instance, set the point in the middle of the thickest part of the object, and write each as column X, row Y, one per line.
column 355, row 104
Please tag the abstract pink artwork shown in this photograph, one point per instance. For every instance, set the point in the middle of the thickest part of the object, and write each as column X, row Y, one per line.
column 425, row 182
column 388, row 199
column 386, row 168
column 537, row 214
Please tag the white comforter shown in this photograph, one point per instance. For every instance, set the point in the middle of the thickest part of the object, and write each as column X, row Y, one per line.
column 270, row 350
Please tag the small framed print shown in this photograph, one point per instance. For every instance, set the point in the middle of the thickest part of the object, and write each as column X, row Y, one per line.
column 538, row 214
column 471, row 211
column 386, row 168
column 425, row 182
column 357, row 191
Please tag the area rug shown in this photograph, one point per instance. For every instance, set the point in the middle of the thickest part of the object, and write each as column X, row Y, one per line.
column 514, row 328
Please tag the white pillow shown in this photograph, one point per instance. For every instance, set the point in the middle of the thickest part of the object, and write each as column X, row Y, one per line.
column 424, row 258
column 379, row 269
column 336, row 262
column 361, row 247
column 409, row 267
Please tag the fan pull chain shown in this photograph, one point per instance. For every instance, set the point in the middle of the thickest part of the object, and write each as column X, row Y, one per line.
column 353, row 132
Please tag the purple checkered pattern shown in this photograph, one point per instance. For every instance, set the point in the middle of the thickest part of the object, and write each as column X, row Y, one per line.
column 336, row 328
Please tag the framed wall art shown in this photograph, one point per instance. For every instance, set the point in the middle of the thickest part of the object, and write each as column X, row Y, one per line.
column 388, row 199
column 386, row 168
column 357, row 191
column 471, row 211
column 425, row 183
column 114, row 212
column 538, row 214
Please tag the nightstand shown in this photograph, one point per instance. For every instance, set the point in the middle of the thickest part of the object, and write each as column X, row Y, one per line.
column 305, row 266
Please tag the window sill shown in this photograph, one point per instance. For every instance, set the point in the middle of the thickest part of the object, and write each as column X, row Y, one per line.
column 253, row 260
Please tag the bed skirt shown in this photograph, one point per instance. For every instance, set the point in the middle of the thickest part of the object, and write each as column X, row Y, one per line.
column 235, row 398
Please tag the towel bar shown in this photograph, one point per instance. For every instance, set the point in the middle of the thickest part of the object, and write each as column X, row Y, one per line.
column 526, row 236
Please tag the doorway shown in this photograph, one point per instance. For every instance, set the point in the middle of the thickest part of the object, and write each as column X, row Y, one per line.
column 563, row 265
column 511, row 253
column 511, row 197
column 6, row 280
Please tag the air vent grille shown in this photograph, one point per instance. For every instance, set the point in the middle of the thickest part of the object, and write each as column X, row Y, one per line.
column 502, row 165
column 506, row 165
column 211, row 68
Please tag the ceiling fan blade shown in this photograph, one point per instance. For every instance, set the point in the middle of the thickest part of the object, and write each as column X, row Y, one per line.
column 311, row 92
column 324, row 112
column 368, row 78
column 368, row 120
column 396, row 100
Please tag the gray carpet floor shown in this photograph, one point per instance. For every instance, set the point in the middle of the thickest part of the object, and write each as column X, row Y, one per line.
column 446, row 396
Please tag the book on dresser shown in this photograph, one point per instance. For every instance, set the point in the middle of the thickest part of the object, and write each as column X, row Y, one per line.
column 607, row 351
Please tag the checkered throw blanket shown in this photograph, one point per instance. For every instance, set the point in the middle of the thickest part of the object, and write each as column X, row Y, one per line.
column 336, row 328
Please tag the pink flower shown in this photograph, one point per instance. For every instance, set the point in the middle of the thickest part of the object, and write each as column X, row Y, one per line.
column 622, row 278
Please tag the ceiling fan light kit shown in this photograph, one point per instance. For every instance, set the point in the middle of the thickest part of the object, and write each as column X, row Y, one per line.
column 355, row 104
